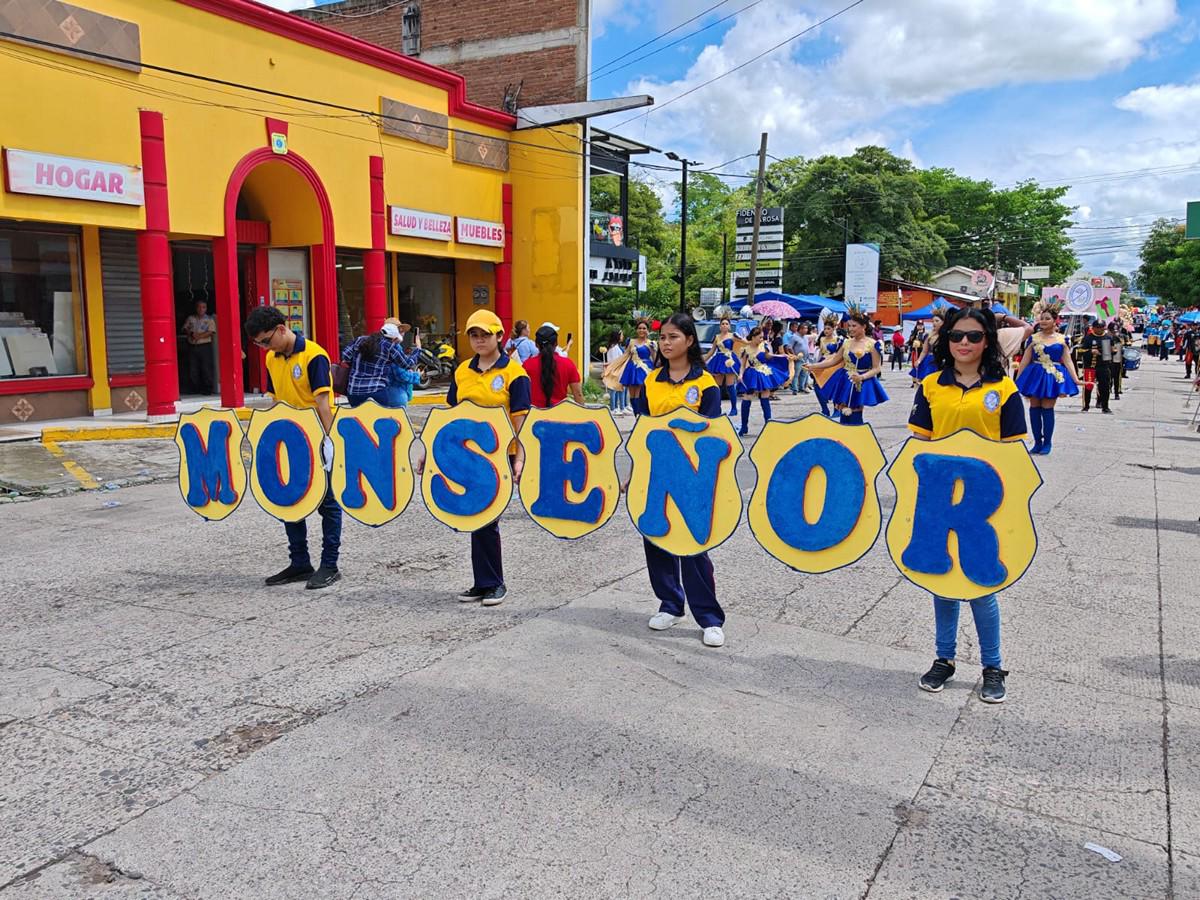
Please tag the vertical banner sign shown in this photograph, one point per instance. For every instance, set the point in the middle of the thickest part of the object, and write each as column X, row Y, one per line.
column 815, row 507
column 769, row 274
column 569, row 485
column 467, row 480
column 683, row 493
column 862, row 275
column 287, row 479
column 962, row 526
column 212, row 473
column 371, row 477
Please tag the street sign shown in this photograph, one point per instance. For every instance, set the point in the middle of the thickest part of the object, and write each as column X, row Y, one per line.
column 1192, row 230
column 862, row 275
column 769, row 268
column 1032, row 273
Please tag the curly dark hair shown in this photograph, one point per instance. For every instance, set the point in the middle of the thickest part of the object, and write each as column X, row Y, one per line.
column 991, row 367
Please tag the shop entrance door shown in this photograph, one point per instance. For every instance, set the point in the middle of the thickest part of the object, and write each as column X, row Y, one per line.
column 252, row 292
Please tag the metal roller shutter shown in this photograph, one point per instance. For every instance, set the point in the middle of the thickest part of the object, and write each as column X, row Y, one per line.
column 122, row 301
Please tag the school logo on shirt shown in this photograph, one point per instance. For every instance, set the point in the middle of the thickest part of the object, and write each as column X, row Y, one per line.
column 693, row 394
column 991, row 401
column 296, row 371
column 497, row 382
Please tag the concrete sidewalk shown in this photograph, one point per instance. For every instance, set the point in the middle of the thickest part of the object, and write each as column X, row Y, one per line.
column 174, row 729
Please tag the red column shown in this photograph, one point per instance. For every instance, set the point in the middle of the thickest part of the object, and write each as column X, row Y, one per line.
column 229, row 317
column 375, row 303
column 504, row 298
column 154, row 263
column 325, row 311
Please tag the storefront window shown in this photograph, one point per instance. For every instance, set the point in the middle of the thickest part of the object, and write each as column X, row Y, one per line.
column 424, row 290
column 352, row 321
column 41, row 308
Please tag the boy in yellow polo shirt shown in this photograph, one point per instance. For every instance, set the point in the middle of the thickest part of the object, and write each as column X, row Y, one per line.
column 298, row 374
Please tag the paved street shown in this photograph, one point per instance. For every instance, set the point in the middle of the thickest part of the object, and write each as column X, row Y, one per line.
column 171, row 728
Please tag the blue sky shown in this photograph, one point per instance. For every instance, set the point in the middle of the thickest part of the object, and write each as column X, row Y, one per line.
column 1060, row 91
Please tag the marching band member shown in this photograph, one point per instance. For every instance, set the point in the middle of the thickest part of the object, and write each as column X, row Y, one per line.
column 970, row 390
column 856, row 384
column 724, row 364
column 1046, row 373
column 681, row 380
column 926, row 363
column 762, row 372
column 639, row 360
column 827, row 345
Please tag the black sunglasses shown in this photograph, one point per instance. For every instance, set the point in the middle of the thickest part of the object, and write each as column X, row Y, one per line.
column 974, row 337
column 265, row 343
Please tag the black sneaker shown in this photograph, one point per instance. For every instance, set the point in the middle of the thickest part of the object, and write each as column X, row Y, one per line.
column 992, row 689
column 472, row 594
column 494, row 596
column 323, row 578
column 939, row 673
column 289, row 575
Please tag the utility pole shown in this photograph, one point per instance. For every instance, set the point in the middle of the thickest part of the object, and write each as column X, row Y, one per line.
column 995, row 274
column 724, row 272
column 683, row 217
column 758, row 203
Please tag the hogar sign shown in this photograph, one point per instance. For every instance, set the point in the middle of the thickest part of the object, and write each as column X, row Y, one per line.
column 961, row 526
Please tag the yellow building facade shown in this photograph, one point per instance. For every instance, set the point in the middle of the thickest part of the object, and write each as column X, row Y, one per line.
column 162, row 154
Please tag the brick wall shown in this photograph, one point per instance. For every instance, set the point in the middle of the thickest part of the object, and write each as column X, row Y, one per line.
column 549, row 76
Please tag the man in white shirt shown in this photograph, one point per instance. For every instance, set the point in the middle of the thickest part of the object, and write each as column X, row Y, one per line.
column 200, row 329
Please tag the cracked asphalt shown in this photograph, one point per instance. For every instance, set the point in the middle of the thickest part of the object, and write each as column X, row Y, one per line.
column 171, row 728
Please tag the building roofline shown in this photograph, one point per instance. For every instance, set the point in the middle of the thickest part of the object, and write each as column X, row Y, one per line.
column 303, row 31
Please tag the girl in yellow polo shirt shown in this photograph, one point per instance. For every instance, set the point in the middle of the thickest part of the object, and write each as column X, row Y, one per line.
column 682, row 380
column 969, row 390
column 490, row 378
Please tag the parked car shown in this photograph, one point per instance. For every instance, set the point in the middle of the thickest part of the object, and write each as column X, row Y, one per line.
column 707, row 330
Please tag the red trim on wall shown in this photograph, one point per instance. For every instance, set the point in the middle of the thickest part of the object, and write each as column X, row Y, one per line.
column 303, row 31
column 131, row 379
column 276, row 126
column 504, row 307
column 250, row 231
column 154, row 270
column 324, row 280
column 9, row 386
column 374, row 260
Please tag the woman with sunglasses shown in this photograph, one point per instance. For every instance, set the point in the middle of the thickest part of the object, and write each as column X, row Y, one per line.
column 1046, row 372
column 856, row 384
column 969, row 390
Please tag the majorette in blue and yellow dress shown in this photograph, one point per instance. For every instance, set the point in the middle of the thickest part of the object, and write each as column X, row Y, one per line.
column 639, row 365
column 765, row 371
column 927, row 365
column 724, row 361
column 821, row 376
column 1044, row 375
column 843, row 392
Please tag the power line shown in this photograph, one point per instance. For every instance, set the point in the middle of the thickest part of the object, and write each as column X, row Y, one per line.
column 675, row 43
column 740, row 66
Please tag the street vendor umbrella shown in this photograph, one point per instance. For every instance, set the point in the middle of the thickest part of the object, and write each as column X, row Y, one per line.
column 776, row 309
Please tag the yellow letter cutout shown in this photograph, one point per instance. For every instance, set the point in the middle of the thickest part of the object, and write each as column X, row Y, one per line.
column 569, row 483
column 288, row 479
column 371, row 478
column 683, row 491
column 815, row 507
column 467, row 480
column 962, row 528
column 212, row 473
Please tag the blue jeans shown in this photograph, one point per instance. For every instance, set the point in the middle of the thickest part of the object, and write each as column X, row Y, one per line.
column 380, row 396
column 986, row 612
column 800, row 377
column 331, row 536
column 616, row 399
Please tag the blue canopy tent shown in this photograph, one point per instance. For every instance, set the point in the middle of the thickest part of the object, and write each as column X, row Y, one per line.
column 808, row 305
column 926, row 312
column 1190, row 317
column 1000, row 309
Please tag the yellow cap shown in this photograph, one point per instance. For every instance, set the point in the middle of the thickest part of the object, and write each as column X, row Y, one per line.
column 485, row 319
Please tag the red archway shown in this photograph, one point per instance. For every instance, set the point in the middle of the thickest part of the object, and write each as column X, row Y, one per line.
column 225, row 248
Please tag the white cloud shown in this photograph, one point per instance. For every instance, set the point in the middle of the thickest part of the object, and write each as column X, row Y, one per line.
column 289, row 5
column 1165, row 102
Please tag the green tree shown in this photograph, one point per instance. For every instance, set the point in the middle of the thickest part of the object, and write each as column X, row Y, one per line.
column 1120, row 279
column 1170, row 265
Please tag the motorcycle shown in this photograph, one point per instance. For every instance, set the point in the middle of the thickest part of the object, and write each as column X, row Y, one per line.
column 434, row 363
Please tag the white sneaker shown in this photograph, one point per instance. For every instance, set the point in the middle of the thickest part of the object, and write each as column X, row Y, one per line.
column 714, row 637
column 661, row 621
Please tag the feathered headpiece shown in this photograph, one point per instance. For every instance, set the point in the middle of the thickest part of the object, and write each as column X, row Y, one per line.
column 1052, row 306
column 831, row 319
column 857, row 312
column 940, row 307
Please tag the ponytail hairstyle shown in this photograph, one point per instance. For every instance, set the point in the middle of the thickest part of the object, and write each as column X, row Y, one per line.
column 991, row 367
column 687, row 325
column 546, row 340
column 519, row 326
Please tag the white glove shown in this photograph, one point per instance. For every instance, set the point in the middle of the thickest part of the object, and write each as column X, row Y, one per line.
column 327, row 453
